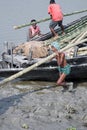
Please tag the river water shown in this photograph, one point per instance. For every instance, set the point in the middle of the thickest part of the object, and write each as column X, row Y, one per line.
column 18, row 12
column 37, row 105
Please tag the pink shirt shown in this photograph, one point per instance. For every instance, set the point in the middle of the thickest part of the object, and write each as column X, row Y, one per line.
column 55, row 11
column 34, row 30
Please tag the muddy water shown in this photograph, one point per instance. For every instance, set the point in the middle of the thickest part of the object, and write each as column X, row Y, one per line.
column 42, row 106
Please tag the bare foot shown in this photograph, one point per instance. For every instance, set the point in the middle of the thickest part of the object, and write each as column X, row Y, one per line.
column 62, row 84
column 63, row 33
column 56, row 37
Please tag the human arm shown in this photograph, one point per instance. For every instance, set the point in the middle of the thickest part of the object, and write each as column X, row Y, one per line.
column 38, row 32
column 61, row 58
column 49, row 10
column 30, row 33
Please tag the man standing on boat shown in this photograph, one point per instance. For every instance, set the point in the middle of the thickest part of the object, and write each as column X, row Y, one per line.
column 34, row 30
column 63, row 67
column 56, row 15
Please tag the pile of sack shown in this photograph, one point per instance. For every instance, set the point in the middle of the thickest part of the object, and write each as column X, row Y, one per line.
column 36, row 48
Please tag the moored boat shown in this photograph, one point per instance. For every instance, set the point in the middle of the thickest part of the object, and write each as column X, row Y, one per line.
column 14, row 63
column 49, row 72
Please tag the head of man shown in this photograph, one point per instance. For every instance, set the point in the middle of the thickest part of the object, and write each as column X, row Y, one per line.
column 33, row 22
column 52, row 1
column 55, row 46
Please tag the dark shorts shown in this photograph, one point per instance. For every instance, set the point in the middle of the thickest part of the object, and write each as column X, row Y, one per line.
column 53, row 24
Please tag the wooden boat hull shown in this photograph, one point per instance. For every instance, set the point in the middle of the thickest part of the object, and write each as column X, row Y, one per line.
column 48, row 74
column 49, row 71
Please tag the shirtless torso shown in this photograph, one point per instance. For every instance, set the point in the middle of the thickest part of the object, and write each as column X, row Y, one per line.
column 63, row 67
column 60, row 57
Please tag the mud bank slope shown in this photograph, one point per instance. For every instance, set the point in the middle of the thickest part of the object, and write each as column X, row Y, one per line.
column 42, row 107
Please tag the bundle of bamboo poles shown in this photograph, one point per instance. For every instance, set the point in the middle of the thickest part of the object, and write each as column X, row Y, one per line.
column 82, row 51
column 70, row 32
column 46, row 19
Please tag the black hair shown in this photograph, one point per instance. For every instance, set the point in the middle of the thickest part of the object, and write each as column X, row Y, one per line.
column 52, row 1
column 33, row 20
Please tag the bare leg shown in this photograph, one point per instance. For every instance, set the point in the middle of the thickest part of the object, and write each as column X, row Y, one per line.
column 62, row 28
column 61, row 81
column 53, row 32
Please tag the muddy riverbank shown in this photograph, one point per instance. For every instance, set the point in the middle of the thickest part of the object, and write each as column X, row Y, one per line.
column 42, row 106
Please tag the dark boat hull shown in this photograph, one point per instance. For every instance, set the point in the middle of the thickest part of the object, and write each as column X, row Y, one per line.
column 49, row 71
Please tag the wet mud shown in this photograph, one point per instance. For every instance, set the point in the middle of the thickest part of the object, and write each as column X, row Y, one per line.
column 42, row 106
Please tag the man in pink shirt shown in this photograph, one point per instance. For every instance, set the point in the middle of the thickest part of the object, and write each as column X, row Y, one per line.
column 56, row 15
column 34, row 30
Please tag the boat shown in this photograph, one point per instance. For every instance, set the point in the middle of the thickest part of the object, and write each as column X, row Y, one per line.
column 9, row 65
column 49, row 72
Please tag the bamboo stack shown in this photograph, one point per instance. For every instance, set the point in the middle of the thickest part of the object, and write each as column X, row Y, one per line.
column 70, row 33
column 82, row 51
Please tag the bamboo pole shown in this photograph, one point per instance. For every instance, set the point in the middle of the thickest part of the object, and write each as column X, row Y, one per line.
column 83, row 49
column 73, row 29
column 38, row 63
column 46, row 19
column 82, row 53
column 79, row 37
column 78, row 25
column 73, row 44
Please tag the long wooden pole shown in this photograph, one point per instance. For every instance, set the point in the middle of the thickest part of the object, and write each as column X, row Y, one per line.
column 83, row 49
column 37, row 64
column 46, row 19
